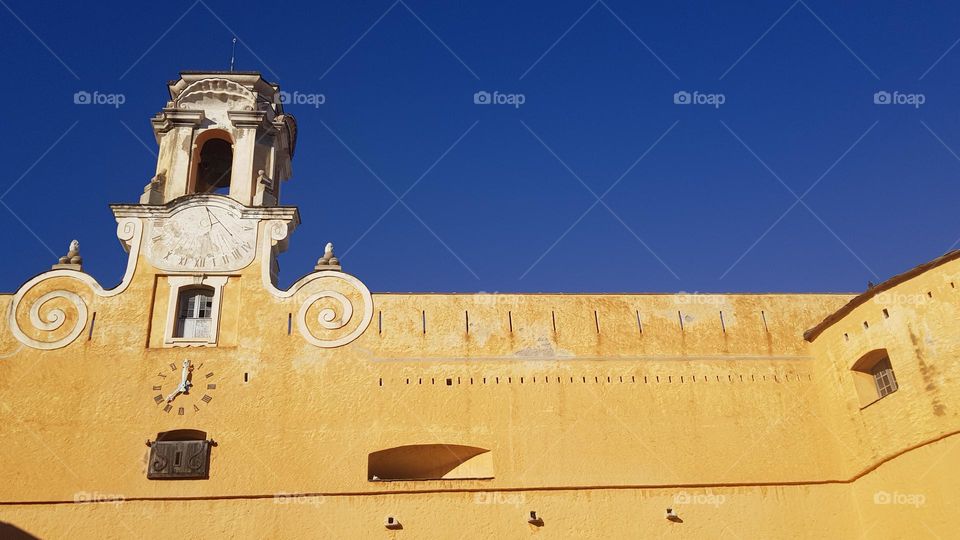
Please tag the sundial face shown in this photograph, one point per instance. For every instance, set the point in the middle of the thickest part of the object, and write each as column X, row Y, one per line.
column 202, row 238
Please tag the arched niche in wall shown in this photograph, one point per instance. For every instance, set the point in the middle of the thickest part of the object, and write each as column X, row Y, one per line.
column 873, row 377
column 430, row 462
column 211, row 168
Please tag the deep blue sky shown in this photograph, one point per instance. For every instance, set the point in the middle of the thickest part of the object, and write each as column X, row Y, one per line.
column 798, row 100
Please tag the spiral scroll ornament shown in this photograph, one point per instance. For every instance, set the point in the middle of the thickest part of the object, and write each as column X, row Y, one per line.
column 48, row 318
column 337, row 313
column 51, row 319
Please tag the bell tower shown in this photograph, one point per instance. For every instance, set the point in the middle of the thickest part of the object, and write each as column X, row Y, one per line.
column 222, row 132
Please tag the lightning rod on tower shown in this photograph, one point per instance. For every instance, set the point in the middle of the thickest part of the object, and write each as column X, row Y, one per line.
column 233, row 53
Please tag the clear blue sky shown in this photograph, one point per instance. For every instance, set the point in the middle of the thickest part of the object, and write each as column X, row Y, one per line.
column 705, row 209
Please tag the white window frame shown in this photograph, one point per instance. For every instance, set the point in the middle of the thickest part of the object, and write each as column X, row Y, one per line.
column 180, row 284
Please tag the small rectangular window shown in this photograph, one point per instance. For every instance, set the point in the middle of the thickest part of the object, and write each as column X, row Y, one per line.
column 195, row 313
column 884, row 378
column 873, row 377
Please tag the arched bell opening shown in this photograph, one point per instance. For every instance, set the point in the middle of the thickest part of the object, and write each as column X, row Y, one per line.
column 212, row 169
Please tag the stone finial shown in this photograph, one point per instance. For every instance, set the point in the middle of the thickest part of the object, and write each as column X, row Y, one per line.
column 72, row 260
column 266, row 190
column 262, row 178
column 153, row 191
column 329, row 261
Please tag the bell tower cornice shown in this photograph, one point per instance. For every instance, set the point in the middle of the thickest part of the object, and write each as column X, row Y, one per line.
column 169, row 118
column 284, row 213
column 222, row 132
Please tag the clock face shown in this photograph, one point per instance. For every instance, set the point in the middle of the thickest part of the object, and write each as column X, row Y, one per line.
column 183, row 389
column 202, row 238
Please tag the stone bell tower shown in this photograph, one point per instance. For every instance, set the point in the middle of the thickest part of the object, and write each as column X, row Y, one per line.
column 222, row 132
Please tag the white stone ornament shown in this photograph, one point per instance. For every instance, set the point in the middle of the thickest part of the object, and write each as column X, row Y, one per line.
column 185, row 383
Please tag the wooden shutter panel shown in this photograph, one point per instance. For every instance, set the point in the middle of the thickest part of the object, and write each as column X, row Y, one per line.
column 179, row 459
column 161, row 461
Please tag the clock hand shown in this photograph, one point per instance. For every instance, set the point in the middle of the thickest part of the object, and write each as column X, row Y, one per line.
column 210, row 219
column 213, row 219
column 185, row 383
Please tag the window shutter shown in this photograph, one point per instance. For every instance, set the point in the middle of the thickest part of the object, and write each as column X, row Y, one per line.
column 179, row 459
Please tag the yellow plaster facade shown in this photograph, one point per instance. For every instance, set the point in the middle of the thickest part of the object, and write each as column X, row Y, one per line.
column 457, row 415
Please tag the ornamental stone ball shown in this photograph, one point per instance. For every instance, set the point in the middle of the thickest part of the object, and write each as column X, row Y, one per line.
column 328, row 261
column 72, row 260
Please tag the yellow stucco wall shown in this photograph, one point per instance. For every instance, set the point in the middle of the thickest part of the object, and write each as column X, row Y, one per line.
column 599, row 411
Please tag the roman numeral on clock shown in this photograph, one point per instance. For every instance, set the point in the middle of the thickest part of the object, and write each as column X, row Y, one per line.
column 206, row 398
column 158, row 398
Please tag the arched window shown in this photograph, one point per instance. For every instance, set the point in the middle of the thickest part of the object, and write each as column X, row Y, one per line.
column 212, row 162
column 195, row 313
column 874, row 377
column 215, row 166
column 430, row 462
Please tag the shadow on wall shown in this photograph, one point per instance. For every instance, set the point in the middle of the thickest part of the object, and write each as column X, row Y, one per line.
column 12, row 532
column 430, row 462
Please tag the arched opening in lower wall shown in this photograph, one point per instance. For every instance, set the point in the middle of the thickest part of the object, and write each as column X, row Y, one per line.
column 430, row 462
